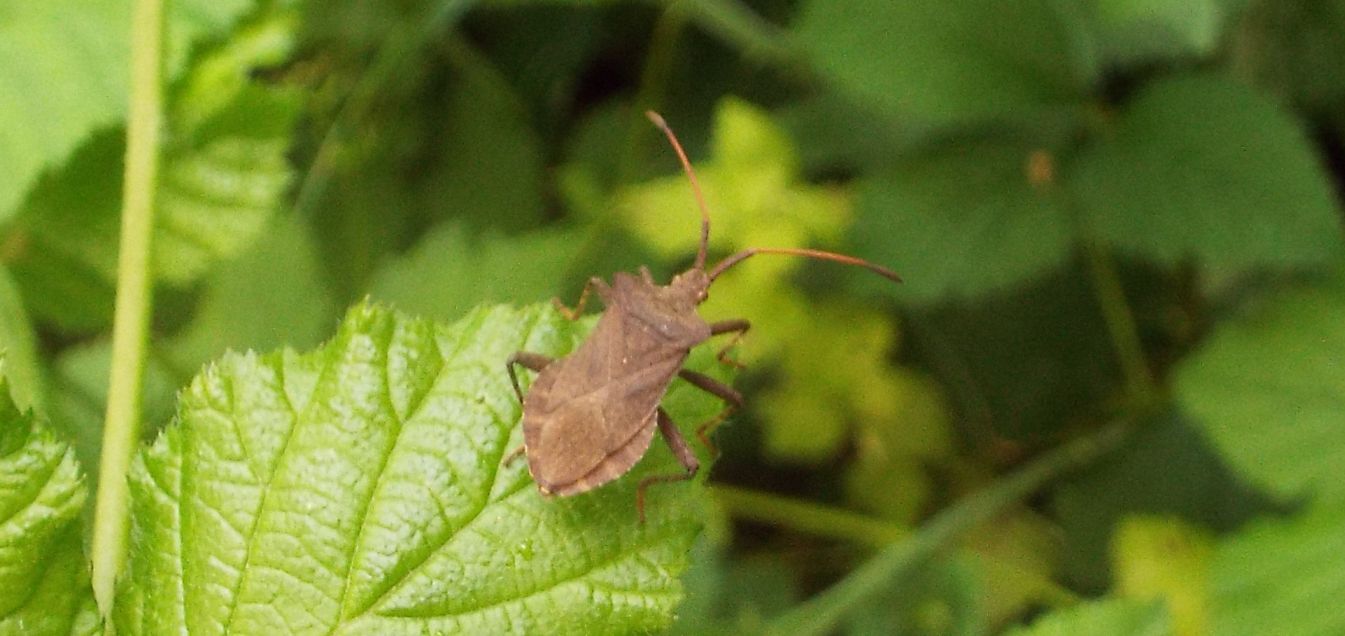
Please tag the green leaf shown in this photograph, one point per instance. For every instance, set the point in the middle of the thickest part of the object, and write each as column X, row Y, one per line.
column 1164, row 557
column 1201, row 166
column 1266, row 388
column 951, row 60
column 225, row 172
column 1138, row 30
column 63, row 65
column 360, row 489
column 44, row 578
column 1109, row 617
column 1166, row 469
column 444, row 138
column 450, row 270
column 229, row 175
column 962, row 220
column 18, row 348
column 272, row 295
column 1291, row 48
column 1282, row 576
column 1020, row 365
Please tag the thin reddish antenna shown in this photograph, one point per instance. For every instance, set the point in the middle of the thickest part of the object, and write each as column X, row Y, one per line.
column 695, row 185
column 800, row 251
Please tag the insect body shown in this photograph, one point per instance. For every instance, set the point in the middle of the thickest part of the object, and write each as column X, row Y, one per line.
column 590, row 416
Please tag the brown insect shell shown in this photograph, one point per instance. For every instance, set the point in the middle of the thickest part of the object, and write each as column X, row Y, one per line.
column 590, row 416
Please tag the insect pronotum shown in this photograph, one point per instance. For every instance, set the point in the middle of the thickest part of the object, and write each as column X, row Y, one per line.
column 591, row 415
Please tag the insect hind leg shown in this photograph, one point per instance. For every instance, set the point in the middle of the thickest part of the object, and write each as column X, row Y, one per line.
column 680, row 449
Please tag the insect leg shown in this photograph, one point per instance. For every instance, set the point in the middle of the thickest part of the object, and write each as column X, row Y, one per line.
column 534, row 361
column 719, row 390
column 514, row 455
column 679, row 447
column 740, row 327
column 573, row 314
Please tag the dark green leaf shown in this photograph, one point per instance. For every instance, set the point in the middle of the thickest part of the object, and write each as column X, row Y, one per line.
column 1203, row 167
column 1139, row 30
column 952, row 60
column 1293, row 48
column 961, row 221
column 1168, row 469
column 359, row 489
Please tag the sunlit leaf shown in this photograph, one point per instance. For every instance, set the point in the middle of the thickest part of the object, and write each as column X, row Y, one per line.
column 359, row 489
column 25, row 378
column 44, row 577
column 224, row 171
column 63, row 65
column 1165, row 558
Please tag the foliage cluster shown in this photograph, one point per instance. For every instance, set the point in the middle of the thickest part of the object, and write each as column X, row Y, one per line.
column 1108, row 398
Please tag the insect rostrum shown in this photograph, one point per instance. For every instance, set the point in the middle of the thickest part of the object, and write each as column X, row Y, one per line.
column 590, row 416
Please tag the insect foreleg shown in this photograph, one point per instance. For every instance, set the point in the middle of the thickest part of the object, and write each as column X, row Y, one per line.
column 573, row 314
column 684, row 455
column 738, row 327
column 534, row 361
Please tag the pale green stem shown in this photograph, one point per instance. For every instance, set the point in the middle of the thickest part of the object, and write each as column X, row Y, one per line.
column 121, row 428
column 824, row 612
column 807, row 517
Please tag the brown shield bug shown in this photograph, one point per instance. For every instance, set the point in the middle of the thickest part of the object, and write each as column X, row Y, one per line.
column 590, row 416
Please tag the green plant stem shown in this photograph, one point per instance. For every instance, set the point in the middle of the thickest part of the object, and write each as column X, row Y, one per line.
column 822, row 613
column 807, row 517
column 1120, row 321
column 736, row 24
column 825, row 521
column 121, row 427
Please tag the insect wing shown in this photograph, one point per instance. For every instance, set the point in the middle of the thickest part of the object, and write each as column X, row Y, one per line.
column 586, row 414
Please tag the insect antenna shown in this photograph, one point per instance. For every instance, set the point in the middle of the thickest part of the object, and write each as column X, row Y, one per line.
column 800, row 251
column 695, row 185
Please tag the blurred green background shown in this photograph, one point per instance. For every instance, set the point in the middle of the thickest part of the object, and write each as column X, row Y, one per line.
column 1105, row 211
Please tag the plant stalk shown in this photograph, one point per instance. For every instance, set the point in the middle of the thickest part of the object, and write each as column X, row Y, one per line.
column 121, row 428
column 807, row 517
column 824, row 612
column 1140, row 384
